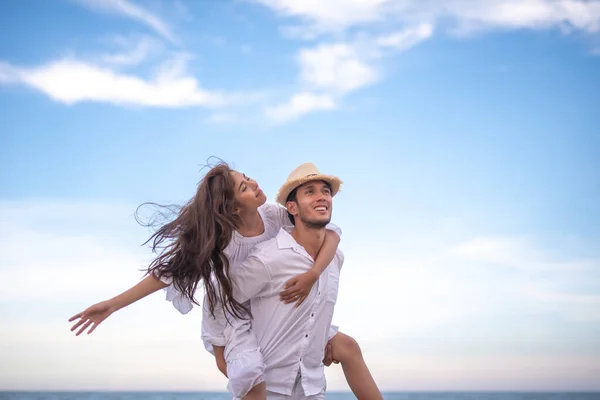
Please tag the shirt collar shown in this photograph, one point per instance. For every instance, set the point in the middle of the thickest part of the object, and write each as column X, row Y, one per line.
column 285, row 240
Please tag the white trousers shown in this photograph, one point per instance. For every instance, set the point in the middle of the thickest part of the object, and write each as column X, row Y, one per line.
column 297, row 393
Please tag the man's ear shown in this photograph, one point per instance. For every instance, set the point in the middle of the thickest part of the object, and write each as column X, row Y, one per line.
column 292, row 207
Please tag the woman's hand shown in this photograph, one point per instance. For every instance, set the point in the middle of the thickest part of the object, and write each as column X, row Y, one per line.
column 297, row 288
column 93, row 316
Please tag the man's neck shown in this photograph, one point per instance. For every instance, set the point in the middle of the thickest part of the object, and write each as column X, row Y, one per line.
column 310, row 238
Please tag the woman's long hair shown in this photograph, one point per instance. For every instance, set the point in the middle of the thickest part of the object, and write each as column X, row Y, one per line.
column 192, row 244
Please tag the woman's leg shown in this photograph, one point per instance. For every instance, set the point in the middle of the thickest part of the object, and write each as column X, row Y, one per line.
column 347, row 351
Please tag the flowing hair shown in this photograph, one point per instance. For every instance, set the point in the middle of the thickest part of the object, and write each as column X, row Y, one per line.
column 191, row 246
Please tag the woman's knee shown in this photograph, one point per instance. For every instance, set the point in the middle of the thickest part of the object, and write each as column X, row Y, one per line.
column 344, row 347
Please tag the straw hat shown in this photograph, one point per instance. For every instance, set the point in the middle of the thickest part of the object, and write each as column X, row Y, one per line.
column 305, row 173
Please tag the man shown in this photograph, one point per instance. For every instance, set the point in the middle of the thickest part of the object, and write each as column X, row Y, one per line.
column 293, row 340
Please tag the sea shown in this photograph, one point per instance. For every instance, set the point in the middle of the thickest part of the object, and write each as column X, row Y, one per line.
column 330, row 396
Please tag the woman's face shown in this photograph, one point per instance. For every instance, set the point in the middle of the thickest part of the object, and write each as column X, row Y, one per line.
column 247, row 192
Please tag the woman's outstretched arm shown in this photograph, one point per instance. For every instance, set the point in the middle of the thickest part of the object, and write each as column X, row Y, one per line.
column 94, row 315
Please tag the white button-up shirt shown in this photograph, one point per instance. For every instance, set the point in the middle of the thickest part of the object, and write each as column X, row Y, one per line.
column 291, row 339
column 217, row 331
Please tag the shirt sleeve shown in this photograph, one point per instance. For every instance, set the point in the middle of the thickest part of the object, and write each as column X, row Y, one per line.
column 250, row 279
column 335, row 228
column 167, row 280
column 281, row 216
column 178, row 299
column 213, row 328
column 333, row 330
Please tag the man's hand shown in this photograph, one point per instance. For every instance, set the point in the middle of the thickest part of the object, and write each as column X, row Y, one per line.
column 297, row 288
column 328, row 359
column 220, row 357
column 222, row 365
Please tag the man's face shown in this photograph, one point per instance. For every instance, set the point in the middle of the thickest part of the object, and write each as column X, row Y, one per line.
column 313, row 204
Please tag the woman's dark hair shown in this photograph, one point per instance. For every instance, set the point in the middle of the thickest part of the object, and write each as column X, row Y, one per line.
column 191, row 246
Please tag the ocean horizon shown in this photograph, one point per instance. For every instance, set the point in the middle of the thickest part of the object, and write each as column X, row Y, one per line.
column 208, row 395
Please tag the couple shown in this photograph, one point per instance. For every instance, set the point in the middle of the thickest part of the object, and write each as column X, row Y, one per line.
column 255, row 259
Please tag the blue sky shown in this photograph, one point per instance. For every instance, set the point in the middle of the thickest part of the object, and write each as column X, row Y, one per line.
column 466, row 133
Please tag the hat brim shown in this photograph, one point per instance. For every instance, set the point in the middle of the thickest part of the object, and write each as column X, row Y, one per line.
column 334, row 182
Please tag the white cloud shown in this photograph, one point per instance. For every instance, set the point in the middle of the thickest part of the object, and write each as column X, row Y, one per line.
column 519, row 253
column 73, row 81
column 332, row 14
column 404, row 40
column 469, row 15
column 543, row 280
column 8, row 74
column 531, row 14
column 134, row 53
column 133, row 11
column 340, row 67
column 298, row 105
column 556, row 297
column 337, row 67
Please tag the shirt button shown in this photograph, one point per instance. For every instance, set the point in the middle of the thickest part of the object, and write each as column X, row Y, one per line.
column 312, row 315
column 319, row 293
column 306, row 335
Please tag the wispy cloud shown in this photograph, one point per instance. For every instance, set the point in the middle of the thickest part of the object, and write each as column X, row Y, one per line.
column 466, row 15
column 134, row 52
column 73, row 81
column 133, row 11
column 298, row 105
column 329, row 15
column 329, row 71
column 558, row 297
column 541, row 279
column 338, row 67
column 519, row 253
column 345, row 66
column 405, row 39
column 67, row 249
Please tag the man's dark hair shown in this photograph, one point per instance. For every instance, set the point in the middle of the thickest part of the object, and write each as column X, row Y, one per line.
column 293, row 197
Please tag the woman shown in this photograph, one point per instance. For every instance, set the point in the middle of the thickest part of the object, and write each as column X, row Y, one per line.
column 215, row 230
